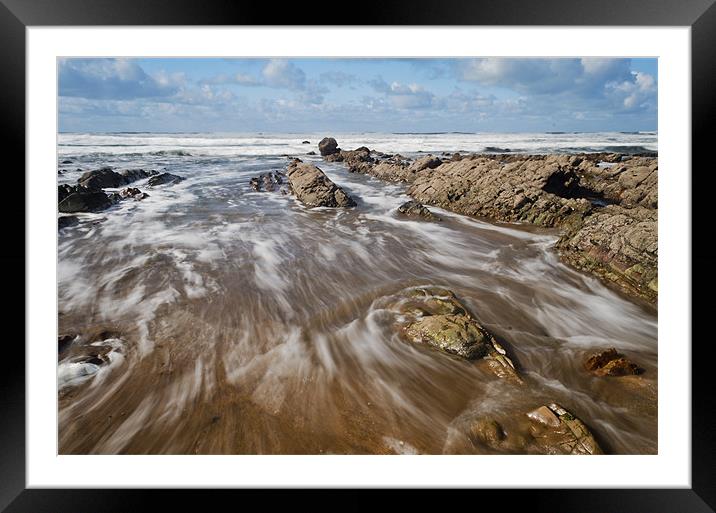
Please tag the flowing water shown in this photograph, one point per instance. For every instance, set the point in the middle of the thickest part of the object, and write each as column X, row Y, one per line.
column 234, row 321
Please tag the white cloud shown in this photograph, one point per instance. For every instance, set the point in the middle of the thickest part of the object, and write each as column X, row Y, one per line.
column 282, row 73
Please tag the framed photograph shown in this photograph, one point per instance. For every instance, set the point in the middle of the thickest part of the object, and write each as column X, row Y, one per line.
column 419, row 251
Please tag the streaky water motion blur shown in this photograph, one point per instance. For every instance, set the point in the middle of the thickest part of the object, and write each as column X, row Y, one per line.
column 236, row 321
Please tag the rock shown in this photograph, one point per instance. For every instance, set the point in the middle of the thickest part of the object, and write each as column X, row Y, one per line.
column 65, row 221
column 327, row 146
column 65, row 190
column 427, row 162
column 619, row 245
column 626, row 183
column 610, row 363
column 306, row 142
column 163, row 179
column 311, row 153
column 607, row 214
column 132, row 192
column 67, row 161
column 63, row 342
column 600, row 359
column 313, row 188
column 486, row 431
column 267, row 182
column 544, row 415
column 537, row 189
column 90, row 201
column 415, row 209
column 132, row 175
column 100, row 178
column 557, row 431
column 440, row 320
column 107, row 178
column 454, row 334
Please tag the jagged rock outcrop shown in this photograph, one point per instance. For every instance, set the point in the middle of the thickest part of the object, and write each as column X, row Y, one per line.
column 605, row 204
column 629, row 183
column 539, row 190
column 619, row 245
column 313, row 188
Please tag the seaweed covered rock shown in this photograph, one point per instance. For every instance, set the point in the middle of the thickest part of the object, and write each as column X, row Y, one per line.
column 313, row 188
column 454, row 334
column 437, row 318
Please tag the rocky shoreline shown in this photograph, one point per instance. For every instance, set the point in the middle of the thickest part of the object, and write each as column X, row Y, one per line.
column 605, row 205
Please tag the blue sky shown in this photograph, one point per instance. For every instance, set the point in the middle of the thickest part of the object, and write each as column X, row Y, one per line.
column 344, row 95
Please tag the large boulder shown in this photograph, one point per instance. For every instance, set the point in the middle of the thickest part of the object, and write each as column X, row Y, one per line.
column 313, row 188
column 89, row 201
column 434, row 316
column 107, row 178
column 327, row 146
column 454, row 334
column 100, row 178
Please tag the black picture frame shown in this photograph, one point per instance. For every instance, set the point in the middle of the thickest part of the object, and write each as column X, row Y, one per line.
column 700, row 15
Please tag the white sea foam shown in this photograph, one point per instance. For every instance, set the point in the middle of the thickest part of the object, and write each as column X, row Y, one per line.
column 170, row 146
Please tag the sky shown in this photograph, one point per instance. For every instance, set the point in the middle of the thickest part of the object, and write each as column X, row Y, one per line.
column 357, row 95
